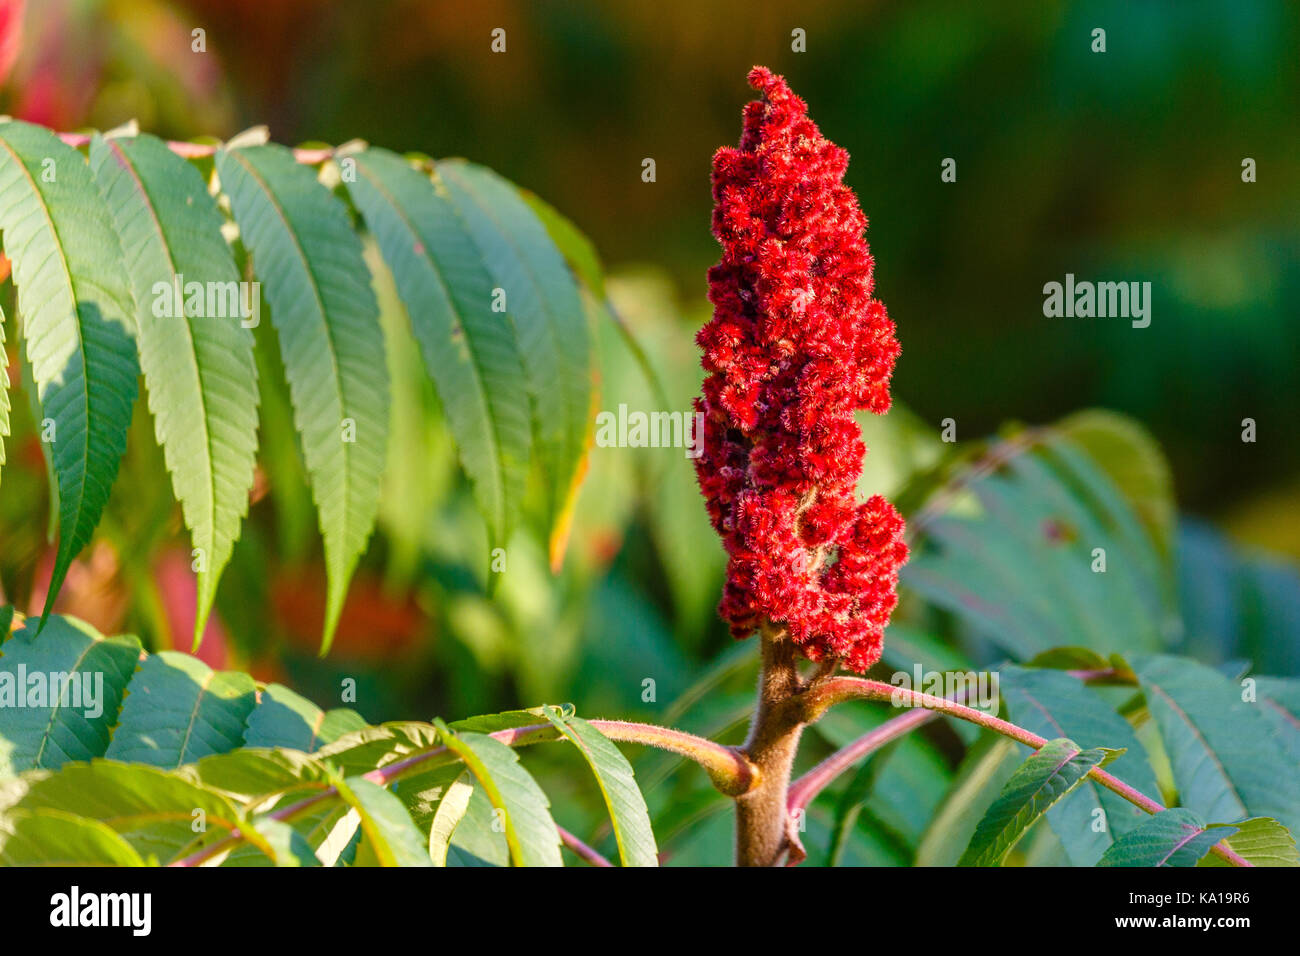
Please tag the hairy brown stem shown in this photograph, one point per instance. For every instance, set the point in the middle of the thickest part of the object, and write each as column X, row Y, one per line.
column 763, row 835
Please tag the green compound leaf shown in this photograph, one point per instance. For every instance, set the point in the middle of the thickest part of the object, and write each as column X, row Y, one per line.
column 157, row 813
column 250, row 771
column 323, row 308
column 1228, row 761
column 78, row 322
column 1051, row 704
column 530, row 832
column 627, row 809
column 1261, row 840
column 508, row 719
column 1177, row 837
column 178, row 710
column 40, row 725
column 1279, row 699
column 1048, row 775
column 388, row 837
column 469, row 350
column 478, row 840
column 283, row 718
column 577, row 249
column 195, row 351
column 451, row 811
column 54, row 838
column 542, row 301
column 288, row 846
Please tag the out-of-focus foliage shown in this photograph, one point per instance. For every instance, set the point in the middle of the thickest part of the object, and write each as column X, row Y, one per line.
column 122, row 268
column 1117, row 165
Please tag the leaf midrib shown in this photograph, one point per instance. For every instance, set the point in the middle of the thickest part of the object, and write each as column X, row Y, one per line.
column 1210, row 752
column 1181, row 843
column 194, row 715
column 58, row 704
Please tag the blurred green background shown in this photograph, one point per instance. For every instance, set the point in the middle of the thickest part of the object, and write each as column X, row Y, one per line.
column 1119, row 165
column 1123, row 165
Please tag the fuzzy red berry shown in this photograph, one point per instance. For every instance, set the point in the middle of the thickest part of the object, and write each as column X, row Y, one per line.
column 795, row 346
